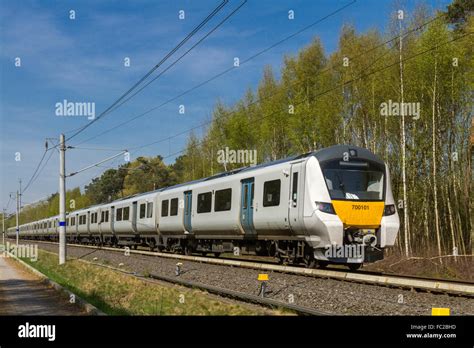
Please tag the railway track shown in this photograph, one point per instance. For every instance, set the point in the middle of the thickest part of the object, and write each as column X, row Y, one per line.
column 451, row 287
column 237, row 295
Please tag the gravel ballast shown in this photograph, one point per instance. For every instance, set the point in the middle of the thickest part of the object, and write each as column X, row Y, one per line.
column 327, row 295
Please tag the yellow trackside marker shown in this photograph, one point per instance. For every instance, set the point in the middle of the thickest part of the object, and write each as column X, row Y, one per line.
column 359, row 213
column 263, row 277
column 440, row 311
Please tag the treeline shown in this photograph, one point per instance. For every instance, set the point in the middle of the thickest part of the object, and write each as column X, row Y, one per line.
column 349, row 97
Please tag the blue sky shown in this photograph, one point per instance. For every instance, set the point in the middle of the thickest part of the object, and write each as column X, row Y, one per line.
column 82, row 60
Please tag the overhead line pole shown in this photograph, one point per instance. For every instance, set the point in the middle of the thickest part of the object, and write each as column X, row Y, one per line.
column 17, row 217
column 19, row 180
column 62, row 200
column 62, row 193
column 3, row 226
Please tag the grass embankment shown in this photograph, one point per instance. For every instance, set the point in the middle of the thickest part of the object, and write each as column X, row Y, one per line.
column 449, row 268
column 116, row 293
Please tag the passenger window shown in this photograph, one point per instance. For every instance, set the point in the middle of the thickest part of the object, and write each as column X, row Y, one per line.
column 246, row 197
column 164, row 207
column 142, row 210
column 223, row 199
column 294, row 194
column 252, row 195
column 149, row 210
column 119, row 214
column 126, row 213
column 174, row 207
column 271, row 193
column 204, row 202
column 73, row 221
column 107, row 216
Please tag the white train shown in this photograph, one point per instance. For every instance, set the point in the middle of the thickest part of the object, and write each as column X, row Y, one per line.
column 334, row 205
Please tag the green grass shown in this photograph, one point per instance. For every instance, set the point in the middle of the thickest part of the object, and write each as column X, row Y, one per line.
column 116, row 293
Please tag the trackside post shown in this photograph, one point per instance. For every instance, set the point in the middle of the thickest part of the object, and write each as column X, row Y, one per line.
column 62, row 200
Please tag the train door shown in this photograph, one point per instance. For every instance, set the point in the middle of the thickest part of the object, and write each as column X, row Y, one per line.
column 188, row 200
column 88, row 222
column 134, row 217
column 246, row 206
column 76, row 225
column 295, row 209
column 100, row 219
column 112, row 219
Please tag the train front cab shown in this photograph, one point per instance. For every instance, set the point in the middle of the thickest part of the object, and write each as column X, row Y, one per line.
column 352, row 206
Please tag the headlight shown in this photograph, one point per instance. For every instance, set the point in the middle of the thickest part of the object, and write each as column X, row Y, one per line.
column 389, row 210
column 325, row 207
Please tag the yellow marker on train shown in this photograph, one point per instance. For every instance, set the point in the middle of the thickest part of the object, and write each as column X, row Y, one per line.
column 263, row 277
column 440, row 311
column 359, row 214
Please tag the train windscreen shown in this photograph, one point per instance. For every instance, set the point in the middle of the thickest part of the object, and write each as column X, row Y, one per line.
column 354, row 180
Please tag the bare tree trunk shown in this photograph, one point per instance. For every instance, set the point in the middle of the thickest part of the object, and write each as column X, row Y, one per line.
column 451, row 223
column 435, row 184
column 425, row 225
column 403, row 145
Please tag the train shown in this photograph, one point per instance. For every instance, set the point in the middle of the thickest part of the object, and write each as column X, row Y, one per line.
column 330, row 206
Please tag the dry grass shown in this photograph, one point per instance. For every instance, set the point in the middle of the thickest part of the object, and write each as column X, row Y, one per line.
column 459, row 268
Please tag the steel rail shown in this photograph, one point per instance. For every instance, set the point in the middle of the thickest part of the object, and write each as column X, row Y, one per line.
column 409, row 282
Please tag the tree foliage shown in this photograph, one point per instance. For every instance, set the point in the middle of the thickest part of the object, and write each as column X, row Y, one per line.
column 322, row 99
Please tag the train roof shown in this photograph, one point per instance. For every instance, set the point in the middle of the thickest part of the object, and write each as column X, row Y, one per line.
column 236, row 171
column 338, row 151
column 328, row 153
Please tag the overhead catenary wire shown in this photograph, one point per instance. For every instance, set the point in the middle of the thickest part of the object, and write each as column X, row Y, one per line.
column 347, row 82
column 42, row 168
column 344, row 83
column 35, row 171
column 270, row 95
column 364, row 75
column 221, row 73
column 9, row 201
column 408, row 32
column 163, row 60
column 185, row 53
column 111, row 108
